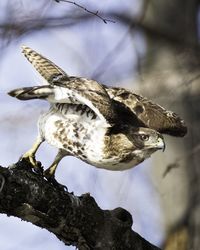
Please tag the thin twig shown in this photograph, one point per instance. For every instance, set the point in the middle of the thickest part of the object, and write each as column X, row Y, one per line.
column 112, row 54
column 96, row 13
column 171, row 166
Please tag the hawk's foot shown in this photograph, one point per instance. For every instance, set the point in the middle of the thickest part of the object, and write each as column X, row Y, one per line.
column 36, row 165
column 30, row 155
column 49, row 173
column 30, row 158
column 51, row 178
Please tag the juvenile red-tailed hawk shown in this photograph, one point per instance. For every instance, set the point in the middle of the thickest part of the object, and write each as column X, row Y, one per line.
column 107, row 127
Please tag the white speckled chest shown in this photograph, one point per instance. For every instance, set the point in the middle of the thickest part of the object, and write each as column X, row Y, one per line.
column 79, row 133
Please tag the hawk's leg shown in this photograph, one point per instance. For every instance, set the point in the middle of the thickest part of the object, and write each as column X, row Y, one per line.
column 30, row 155
column 49, row 173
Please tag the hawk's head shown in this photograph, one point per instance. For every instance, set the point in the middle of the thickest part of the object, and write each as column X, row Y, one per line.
column 132, row 145
column 132, row 139
column 146, row 139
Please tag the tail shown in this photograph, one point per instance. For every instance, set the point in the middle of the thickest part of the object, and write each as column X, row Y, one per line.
column 36, row 92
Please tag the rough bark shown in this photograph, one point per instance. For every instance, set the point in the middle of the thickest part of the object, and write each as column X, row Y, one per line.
column 74, row 220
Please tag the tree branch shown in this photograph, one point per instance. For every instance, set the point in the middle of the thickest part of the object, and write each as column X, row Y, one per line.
column 75, row 220
column 96, row 13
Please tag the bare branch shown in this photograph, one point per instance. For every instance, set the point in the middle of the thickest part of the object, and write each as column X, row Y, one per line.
column 75, row 220
column 89, row 11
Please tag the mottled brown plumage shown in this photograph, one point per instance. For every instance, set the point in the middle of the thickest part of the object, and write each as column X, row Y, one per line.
column 110, row 128
column 150, row 114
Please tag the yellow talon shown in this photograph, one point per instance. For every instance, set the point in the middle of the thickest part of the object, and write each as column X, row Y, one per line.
column 49, row 173
column 30, row 158
column 30, row 155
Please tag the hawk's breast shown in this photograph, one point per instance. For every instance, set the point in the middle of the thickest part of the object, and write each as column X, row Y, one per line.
column 75, row 129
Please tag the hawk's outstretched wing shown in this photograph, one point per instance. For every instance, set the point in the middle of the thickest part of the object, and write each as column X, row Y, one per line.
column 152, row 115
column 76, row 91
column 65, row 89
column 44, row 66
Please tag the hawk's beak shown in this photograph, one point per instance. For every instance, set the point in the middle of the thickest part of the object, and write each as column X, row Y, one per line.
column 160, row 143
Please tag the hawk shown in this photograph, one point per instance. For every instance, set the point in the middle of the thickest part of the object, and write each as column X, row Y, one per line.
column 110, row 128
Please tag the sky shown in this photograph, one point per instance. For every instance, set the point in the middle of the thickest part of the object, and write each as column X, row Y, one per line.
column 82, row 50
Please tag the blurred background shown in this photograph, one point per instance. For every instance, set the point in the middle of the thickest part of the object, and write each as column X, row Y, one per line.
column 150, row 47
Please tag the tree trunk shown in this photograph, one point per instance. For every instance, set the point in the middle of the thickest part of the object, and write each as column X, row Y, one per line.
column 170, row 74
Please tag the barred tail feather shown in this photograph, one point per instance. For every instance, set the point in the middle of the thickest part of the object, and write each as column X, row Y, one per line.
column 28, row 93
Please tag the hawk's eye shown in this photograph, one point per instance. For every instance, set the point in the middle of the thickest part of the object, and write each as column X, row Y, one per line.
column 144, row 137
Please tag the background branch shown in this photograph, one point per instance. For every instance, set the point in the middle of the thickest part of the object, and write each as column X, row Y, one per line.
column 96, row 13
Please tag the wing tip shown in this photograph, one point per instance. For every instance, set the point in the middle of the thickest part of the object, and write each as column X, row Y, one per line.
column 178, row 130
column 25, row 49
column 12, row 93
column 16, row 93
column 183, row 128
